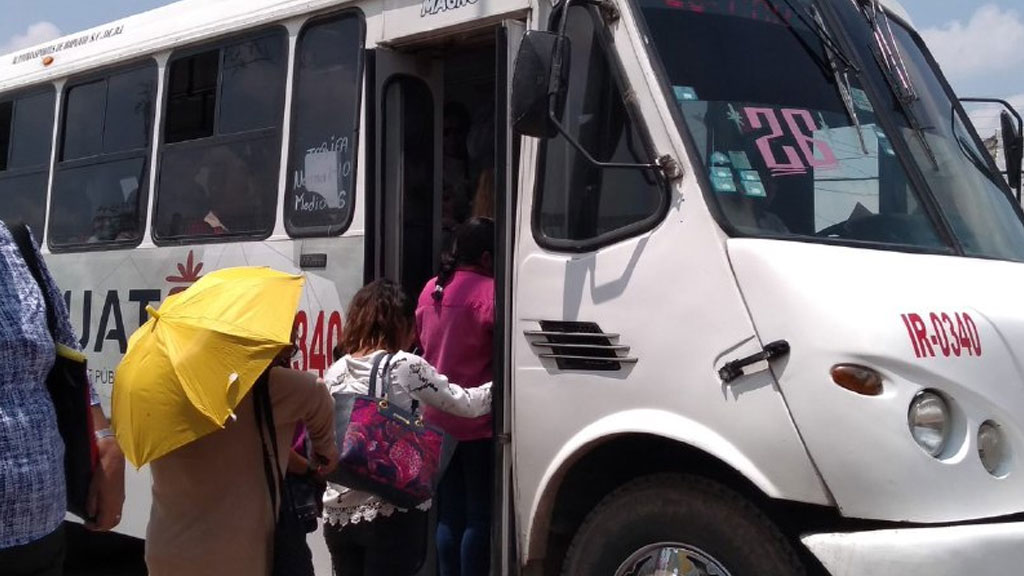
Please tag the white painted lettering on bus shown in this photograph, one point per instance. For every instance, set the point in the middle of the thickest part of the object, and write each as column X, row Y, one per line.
column 432, row 7
column 69, row 44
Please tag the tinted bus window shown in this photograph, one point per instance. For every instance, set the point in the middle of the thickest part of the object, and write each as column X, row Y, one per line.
column 100, row 181
column 32, row 131
column 220, row 160
column 325, row 121
column 579, row 203
column 26, row 136
column 6, row 115
column 251, row 94
column 192, row 91
column 129, row 112
column 224, row 189
column 83, row 120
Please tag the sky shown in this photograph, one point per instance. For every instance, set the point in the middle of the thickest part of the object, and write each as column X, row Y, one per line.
column 978, row 43
column 980, row 46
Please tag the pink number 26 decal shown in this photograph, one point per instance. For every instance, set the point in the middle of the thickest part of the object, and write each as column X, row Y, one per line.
column 801, row 128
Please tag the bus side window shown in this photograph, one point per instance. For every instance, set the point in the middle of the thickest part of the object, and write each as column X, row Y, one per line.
column 220, row 157
column 26, row 133
column 579, row 204
column 325, row 120
column 99, row 187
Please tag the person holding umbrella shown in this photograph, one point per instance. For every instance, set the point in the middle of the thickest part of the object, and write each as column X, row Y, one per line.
column 188, row 399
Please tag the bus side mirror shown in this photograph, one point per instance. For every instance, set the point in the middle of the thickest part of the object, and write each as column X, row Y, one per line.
column 1012, row 127
column 1013, row 150
column 540, row 83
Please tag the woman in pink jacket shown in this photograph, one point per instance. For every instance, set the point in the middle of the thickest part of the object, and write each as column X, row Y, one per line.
column 455, row 324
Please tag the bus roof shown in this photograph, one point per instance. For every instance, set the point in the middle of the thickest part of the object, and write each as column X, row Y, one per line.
column 159, row 29
column 190, row 21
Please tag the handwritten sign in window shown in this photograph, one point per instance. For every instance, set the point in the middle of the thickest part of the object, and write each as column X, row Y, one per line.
column 323, row 148
column 325, row 173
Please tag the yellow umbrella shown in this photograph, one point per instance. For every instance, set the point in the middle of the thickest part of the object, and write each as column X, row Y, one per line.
column 193, row 361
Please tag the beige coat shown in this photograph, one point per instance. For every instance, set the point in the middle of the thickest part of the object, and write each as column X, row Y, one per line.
column 211, row 511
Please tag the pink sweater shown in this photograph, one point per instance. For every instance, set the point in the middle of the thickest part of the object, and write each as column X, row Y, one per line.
column 457, row 336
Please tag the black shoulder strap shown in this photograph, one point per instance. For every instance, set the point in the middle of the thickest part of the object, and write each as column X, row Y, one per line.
column 264, row 412
column 375, row 371
column 28, row 253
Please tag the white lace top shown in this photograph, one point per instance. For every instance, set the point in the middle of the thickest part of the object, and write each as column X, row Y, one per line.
column 410, row 378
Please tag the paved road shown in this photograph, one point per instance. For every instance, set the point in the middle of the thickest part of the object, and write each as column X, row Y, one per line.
column 92, row 554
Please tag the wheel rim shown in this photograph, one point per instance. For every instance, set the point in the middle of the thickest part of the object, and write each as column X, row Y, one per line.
column 671, row 559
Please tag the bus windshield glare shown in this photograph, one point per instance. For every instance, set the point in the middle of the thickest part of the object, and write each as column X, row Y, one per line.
column 800, row 139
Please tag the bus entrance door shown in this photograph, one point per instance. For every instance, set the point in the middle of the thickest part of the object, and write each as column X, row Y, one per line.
column 408, row 94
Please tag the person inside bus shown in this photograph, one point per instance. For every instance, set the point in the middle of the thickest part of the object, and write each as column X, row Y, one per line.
column 480, row 141
column 32, row 485
column 224, row 193
column 456, row 182
column 483, row 200
column 455, row 136
column 455, row 324
column 365, row 534
column 113, row 224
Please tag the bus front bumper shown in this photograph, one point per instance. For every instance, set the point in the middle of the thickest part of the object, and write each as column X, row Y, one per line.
column 979, row 550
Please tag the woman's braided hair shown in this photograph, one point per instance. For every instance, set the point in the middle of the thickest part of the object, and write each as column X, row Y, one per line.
column 473, row 239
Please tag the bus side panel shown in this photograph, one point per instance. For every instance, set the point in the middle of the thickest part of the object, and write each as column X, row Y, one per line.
column 108, row 292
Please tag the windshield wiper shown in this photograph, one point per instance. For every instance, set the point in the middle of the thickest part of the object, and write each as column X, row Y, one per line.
column 843, row 81
column 834, row 55
column 890, row 59
column 814, row 24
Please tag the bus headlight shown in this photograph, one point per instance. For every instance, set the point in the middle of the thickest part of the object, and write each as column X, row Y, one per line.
column 992, row 448
column 929, row 422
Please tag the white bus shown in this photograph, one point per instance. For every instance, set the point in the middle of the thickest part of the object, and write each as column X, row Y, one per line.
column 757, row 278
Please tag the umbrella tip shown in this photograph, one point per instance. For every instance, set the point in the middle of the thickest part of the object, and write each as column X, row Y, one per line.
column 153, row 312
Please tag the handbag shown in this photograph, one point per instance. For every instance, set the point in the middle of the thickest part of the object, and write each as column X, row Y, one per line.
column 68, row 385
column 292, row 557
column 386, row 450
column 308, row 498
column 307, row 491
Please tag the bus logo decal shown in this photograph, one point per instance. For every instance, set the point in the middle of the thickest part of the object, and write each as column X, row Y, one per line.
column 434, row 7
column 189, row 273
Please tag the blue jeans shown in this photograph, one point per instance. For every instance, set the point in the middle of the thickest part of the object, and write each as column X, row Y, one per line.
column 464, row 511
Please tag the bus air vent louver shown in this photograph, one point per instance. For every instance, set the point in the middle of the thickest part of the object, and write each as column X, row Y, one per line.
column 579, row 346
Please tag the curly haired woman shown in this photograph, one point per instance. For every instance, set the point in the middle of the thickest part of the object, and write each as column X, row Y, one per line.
column 365, row 534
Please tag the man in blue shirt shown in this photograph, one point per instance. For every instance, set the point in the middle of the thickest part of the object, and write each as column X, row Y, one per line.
column 32, row 490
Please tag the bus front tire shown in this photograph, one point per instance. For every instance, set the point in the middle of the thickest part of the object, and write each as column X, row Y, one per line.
column 693, row 520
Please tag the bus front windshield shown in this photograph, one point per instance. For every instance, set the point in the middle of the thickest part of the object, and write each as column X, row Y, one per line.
column 795, row 144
